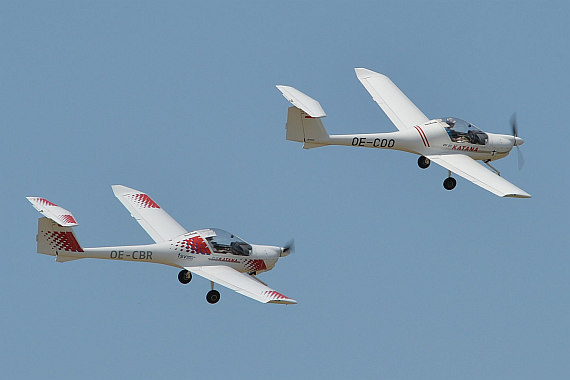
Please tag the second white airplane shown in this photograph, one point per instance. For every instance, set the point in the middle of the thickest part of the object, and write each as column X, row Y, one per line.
column 450, row 142
column 215, row 254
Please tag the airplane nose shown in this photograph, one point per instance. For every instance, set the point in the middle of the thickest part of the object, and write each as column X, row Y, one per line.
column 518, row 141
column 288, row 248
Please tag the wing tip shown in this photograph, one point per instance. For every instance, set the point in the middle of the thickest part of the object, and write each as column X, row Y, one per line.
column 121, row 189
column 364, row 73
column 276, row 297
column 284, row 301
column 525, row 195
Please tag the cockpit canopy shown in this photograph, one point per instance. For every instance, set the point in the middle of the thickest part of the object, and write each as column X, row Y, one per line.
column 462, row 131
column 224, row 242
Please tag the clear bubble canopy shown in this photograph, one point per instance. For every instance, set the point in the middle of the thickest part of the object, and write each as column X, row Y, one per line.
column 462, row 131
column 223, row 241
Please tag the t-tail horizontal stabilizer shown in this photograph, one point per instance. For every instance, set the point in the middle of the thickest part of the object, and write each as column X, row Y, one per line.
column 58, row 214
column 302, row 101
column 303, row 120
column 55, row 235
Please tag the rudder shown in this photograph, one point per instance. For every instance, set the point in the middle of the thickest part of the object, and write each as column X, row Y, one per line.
column 303, row 128
column 55, row 240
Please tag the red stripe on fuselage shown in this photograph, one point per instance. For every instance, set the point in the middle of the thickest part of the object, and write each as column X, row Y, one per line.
column 423, row 136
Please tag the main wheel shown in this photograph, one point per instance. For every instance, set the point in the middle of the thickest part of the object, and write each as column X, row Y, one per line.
column 185, row 276
column 213, row 296
column 423, row 162
column 449, row 183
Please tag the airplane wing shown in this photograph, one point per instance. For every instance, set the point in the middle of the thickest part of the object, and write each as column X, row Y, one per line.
column 242, row 283
column 155, row 221
column 473, row 171
column 399, row 109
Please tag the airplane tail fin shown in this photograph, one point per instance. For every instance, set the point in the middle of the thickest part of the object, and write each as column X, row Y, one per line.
column 303, row 120
column 55, row 240
column 55, row 234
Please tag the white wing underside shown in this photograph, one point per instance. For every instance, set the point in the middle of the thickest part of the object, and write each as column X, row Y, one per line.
column 155, row 221
column 399, row 109
column 242, row 283
column 473, row 171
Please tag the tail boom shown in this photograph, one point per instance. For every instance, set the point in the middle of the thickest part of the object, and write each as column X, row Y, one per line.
column 55, row 240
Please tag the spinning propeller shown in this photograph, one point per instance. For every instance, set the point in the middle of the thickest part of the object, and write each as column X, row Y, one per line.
column 288, row 248
column 518, row 140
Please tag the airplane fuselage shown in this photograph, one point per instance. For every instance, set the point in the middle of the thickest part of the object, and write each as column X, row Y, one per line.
column 426, row 139
column 190, row 249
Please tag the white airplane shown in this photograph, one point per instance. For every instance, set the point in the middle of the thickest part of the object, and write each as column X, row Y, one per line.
column 215, row 254
column 452, row 143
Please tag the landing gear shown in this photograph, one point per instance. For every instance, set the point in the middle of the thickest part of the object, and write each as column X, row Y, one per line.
column 423, row 162
column 185, row 276
column 213, row 296
column 492, row 167
column 449, row 183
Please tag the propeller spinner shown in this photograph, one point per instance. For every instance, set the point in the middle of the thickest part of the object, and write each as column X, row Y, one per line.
column 288, row 248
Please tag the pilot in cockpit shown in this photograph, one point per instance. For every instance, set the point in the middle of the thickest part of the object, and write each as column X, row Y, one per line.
column 456, row 136
column 453, row 134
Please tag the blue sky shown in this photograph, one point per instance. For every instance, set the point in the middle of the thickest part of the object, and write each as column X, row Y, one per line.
column 395, row 277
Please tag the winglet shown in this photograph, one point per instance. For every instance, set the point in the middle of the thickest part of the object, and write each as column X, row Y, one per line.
column 302, row 101
column 58, row 214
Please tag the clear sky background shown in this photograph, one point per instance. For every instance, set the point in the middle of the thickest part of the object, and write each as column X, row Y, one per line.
column 396, row 278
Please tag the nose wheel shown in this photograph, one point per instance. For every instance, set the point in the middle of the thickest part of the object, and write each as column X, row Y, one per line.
column 449, row 183
column 423, row 162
